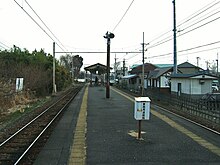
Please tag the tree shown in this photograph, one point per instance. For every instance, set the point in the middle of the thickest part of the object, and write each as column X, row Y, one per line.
column 36, row 69
column 213, row 67
column 72, row 63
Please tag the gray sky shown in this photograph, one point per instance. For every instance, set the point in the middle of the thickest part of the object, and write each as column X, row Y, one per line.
column 81, row 24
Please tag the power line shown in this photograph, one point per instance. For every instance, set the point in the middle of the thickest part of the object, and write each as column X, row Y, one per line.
column 201, row 20
column 170, row 37
column 123, row 16
column 200, row 46
column 204, row 17
column 4, row 46
column 37, row 24
column 45, row 24
column 201, row 51
column 200, row 12
column 189, row 49
column 200, row 26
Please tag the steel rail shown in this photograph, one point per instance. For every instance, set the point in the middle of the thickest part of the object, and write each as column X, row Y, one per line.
column 43, row 130
column 53, row 119
column 182, row 117
column 29, row 123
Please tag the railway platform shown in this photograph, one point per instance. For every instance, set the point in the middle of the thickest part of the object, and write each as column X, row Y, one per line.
column 98, row 130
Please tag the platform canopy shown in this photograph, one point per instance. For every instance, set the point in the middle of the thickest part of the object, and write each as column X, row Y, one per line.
column 97, row 68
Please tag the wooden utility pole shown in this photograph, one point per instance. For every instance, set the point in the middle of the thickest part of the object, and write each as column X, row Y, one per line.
column 54, row 82
column 123, row 68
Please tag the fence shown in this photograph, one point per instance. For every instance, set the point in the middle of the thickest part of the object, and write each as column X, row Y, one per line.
column 202, row 110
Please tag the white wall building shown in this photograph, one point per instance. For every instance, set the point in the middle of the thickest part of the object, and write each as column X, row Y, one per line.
column 192, row 84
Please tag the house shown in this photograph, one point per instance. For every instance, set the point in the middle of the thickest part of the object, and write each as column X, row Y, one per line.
column 188, row 68
column 160, row 78
column 130, row 82
column 138, row 72
column 189, row 79
column 196, row 84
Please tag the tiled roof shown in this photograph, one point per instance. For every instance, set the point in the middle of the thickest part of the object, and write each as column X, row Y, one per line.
column 159, row 72
column 191, row 75
column 186, row 65
column 163, row 65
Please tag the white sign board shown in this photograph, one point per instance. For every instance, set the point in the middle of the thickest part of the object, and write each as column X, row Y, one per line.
column 19, row 84
column 142, row 108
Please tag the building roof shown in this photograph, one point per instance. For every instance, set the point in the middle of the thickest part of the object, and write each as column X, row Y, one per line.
column 194, row 75
column 186, row 65
column 163, row 65
column 147, row 67
column 100, row 68
column 130, row 76
column 159, row 72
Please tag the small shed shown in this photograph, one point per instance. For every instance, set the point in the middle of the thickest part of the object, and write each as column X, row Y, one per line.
column 97, row 70
column 192, row 84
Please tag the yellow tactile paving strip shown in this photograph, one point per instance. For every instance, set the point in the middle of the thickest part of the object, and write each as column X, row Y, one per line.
column 78, row 151
column 214, row 149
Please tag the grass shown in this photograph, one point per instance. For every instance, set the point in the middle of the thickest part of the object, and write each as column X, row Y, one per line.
column 8, row 119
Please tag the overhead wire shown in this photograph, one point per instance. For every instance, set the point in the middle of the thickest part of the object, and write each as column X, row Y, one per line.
column 188, row 19
column 200, row 26
column 202, row 18
column 206, row 16
column 4, row 46
column 123, row 16
column 205, row 50
column 38, row 25
column 189, row 49
column 45, row 25
column 170, row 37
column 199, row 12
column 183, row 22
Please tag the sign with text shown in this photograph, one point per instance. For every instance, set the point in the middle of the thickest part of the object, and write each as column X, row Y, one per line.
column 142, row 108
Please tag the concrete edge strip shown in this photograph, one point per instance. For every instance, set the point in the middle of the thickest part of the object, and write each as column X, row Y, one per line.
column 78, row 150
column 214, row 149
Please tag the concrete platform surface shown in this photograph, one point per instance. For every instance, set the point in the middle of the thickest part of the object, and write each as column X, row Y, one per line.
column 109, row 135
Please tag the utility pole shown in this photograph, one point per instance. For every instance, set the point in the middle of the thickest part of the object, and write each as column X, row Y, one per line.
column 72, row 70
column 142, row 80
column 174, row 39
column 115, row 63
column 197, row 58
column 115, row 66
column 207, row 65
column 123, row 68
column 108, row 36
column 217, row 63
column 54, row 82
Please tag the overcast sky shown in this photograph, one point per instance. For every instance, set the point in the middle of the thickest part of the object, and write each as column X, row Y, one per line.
column 80, row 25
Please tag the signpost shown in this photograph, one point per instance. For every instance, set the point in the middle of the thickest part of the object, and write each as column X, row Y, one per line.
column 141, row 111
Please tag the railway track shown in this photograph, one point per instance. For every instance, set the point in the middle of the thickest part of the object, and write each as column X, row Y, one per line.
column 185, row 117
column 17, row 147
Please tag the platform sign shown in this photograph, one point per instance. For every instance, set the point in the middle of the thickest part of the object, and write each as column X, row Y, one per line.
column 142, row 108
